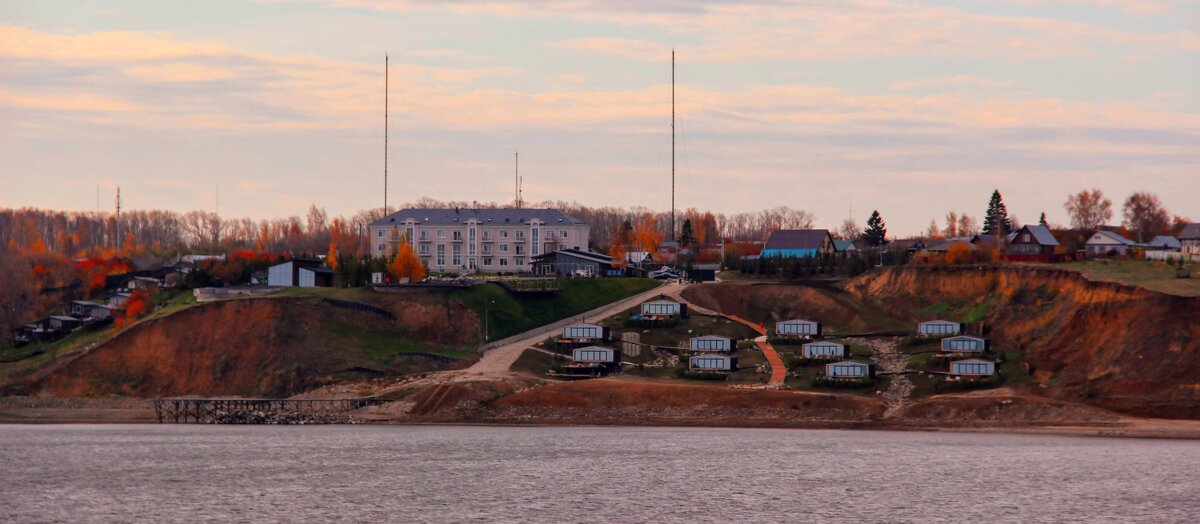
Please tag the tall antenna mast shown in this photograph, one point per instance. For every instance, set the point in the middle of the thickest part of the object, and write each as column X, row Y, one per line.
column 217, row 210
column 517, row 179
column 118, row 220
column 672, row 144
column 386, row 76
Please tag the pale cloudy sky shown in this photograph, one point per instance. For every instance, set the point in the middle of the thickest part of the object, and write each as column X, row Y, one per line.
column 911, row 107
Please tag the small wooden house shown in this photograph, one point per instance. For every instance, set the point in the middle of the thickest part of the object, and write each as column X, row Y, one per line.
column 825, row 350
column 63, row 323
column 119, row 299
column 849, row 370
column 712, row 363
column 798, row 328
column 972, row 367
column 89, row 311
column 964, row 344
column 1105, row 243
column 1032, row 240
column 935, row 328
column 147, row 284
column 583, row 332
column 664, row 308
column 712, row 344
column 594, row 359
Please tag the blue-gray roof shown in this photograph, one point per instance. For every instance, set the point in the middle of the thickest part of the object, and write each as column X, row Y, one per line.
column 1190, row 232
column 1111, row 237
column 452, row 216
column 1165, row 241
column 1042, row 234
column 797, row 239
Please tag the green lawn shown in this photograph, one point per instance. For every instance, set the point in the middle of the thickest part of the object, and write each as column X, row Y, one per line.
column 1149, row 274
column 508, row 315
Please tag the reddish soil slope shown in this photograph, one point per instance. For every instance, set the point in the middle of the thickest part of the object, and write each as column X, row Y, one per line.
column 271, row 347
column 1105, row 344
column 774, row 302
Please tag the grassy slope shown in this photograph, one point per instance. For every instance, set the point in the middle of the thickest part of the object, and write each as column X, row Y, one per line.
column 508, row 315
column 1152, row 275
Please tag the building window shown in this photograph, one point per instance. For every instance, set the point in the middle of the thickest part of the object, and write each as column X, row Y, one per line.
column 425, row 249
column 457, row 260
column 520, row 234
column 562, row 233
column 410, row 234
column 424, row 234
column 487, row 261
column 487, row 235
column 518, row 262
column 504, row 248
column 380, row 233
column 504, row 262
column 380, row 246
column 503, row 233
column 441, row 233
column 487, row 249
column 520, row 248
column 441, row 254
column 457, row 235
column 534, row 248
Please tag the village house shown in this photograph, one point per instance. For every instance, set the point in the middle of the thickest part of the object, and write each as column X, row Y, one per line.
column 464, row 240
column 1033, row 240
column 798, row 243
column 1107, row 243
column 584, row 333
column 943, row 245
column 934, row 328
column 798, row 328
column 964, row 344
column 911, row 245
column 849, row 370
column 119, row 299
column 711, row 344
column 1164, row 243
column 147, row 284
column 594, row 359
column 300, row 273
column 89, row 311
column 712, row 363
column 824, row 350
column 664, row 308
column 703, row 272
column 63, row 323
column 1189, row 239
column 844, row 246
column 574, row 262
column 972, row 368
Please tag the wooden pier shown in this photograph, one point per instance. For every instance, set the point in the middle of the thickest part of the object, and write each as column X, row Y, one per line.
column 184, row 410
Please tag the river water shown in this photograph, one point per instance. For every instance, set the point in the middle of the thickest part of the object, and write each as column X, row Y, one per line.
column 174, row 473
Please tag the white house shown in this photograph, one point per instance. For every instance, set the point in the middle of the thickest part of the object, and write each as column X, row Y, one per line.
column 300, row 273
column 1103, row 243
column 798, row 328
column 667, row 308
column 939, row 327
column 964, row 344
column 848, row 369
column 712, row 363
column 711, row 343
column 585, row 332
column 596, row 355
column 825, row 350
column 972, row 367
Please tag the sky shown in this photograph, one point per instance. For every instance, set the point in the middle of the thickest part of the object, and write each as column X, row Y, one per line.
column 915, row 108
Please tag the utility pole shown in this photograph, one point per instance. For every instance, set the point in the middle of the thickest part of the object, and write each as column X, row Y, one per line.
column 118, row 220
column 517, row 179
column 672, row 145
column 386, row 76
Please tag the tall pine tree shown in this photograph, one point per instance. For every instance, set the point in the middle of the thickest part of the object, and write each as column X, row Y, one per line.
column 995, row 221
column 1042, row 221
column 876, row 231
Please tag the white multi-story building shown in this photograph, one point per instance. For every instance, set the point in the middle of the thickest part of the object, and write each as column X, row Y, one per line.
column 462, row 240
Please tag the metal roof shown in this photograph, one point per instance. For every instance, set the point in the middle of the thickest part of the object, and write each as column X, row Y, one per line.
column 1165, row 241
column 797, row 239
column 1190, row 232
column 1043, row 235
column 844, row 245
column 1111, row 237
column 455, row 216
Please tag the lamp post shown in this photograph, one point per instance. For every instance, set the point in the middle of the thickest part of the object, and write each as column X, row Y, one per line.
column 486, row 330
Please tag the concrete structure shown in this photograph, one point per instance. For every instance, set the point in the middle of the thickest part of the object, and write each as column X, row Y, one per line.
column 798, row 243
column 935, row 328
column 1032, row 240
column 712, row 363
column 1105, row 243
column 585, row 333
column 300, row 273
column 798, row 328
column 574, row 263
column 964, row 344
column 1189, row 239
column 825, row 350
column 712, row 344
column 664, row 308
column 462, row 240
column 849, row 370
column 972, row 367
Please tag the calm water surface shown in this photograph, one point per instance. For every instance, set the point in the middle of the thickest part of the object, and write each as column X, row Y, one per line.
column 97, row 473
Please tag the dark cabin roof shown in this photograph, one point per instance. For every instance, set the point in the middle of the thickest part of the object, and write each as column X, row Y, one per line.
column 453, row 216
column 1040, row 233
column 1190, row 232
column 797, row 239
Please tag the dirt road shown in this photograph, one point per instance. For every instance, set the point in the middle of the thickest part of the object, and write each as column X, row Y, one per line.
column 778, row 370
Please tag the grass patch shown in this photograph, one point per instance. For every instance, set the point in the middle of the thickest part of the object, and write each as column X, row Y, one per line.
column 384, row 346
column 508, row 315
column 1149, row 274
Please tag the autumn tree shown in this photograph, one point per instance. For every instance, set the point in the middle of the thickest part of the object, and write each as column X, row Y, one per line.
column 406, row 264
column 331, row 258
column 849, row 230
column 1089, row 209
column 876, row 233
column 959, row 253
column 620, row 246
column 646, row 235
column 951, row 230
column 933, row 231
column 967, row 226
column 1145, row 216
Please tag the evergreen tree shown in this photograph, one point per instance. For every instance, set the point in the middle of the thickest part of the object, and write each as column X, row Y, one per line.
column 1042, row 221
column 687, row 236
column 876, row 232
column 996, row 221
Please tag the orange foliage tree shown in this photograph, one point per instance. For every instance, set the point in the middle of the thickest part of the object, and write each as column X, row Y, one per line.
column 407, row 264
column 620, row 247
column 331, row 257
column 646, row 235
column 959, row 253
column 136, row 306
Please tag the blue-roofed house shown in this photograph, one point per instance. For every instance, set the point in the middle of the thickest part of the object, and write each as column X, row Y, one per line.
column 1164, row 243
column 799, row 243
column 1104, row 243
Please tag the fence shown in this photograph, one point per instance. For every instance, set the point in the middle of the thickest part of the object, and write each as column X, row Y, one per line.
column 1172, row 256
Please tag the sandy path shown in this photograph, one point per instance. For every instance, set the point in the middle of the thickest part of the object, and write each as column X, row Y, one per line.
column 778, row 370
column 889, row 360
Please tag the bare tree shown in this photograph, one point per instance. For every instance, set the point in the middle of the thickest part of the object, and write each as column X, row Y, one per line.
column 1145, row 216
column 849, row 230
column 1089, row 209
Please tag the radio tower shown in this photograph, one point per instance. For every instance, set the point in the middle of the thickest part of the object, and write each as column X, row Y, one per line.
column 118, row 220
column 386, row 76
